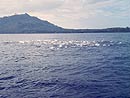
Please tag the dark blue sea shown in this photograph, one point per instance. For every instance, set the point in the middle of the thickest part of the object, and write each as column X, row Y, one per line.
column 65, row 65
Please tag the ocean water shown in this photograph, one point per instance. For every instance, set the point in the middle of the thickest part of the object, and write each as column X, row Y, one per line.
column 65, row 65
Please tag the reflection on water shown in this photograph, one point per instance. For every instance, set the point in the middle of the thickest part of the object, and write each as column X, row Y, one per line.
column 65, row 66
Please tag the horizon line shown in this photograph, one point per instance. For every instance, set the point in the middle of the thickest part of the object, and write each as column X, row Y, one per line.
column 15, row 14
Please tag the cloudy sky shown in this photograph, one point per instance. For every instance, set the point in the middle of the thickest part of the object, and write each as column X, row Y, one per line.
column 73, row 13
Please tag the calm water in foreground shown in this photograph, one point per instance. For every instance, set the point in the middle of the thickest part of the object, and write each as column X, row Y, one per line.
column 65, row 66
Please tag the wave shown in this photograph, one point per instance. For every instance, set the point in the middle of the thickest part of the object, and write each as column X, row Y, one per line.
column 57, row 44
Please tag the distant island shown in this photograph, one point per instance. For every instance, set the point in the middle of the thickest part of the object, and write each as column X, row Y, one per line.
column 24, row 23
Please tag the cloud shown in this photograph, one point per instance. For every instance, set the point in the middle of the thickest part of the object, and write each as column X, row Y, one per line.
column 71, row 13
column 17, row 6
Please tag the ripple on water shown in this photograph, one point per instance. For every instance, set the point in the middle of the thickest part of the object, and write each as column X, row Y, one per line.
column 78, row 69
column 57, row 44
column 7, row 78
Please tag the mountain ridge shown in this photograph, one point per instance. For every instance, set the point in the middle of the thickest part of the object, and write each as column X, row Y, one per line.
column 24, row 23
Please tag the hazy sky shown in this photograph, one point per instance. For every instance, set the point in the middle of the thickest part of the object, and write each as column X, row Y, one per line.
column 73, row 13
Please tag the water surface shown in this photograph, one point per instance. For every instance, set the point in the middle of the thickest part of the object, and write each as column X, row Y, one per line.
column 65, row 65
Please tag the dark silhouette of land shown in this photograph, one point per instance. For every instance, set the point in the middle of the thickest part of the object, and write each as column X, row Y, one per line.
column 24, row 23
